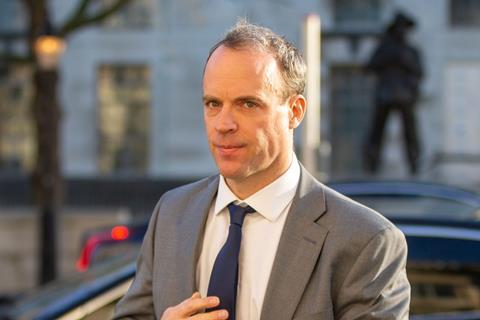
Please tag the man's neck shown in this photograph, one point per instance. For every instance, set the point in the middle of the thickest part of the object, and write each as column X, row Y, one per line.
column 245, row 187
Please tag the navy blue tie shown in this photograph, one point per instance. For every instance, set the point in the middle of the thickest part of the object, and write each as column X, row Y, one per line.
column 224, row 277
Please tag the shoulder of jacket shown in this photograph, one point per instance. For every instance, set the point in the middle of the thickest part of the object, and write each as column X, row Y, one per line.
column 344, row 213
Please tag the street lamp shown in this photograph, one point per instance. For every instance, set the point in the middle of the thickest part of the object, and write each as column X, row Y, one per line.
column 48, row 49
column 47, row 176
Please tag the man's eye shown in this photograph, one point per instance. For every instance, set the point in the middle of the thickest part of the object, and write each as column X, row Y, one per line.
column 250, row 104
column 212, row 104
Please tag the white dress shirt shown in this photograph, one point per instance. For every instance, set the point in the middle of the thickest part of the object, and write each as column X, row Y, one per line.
column 260, row 236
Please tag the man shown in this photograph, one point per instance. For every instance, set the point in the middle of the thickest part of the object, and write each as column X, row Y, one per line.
column 306, row 252
column 398, row 68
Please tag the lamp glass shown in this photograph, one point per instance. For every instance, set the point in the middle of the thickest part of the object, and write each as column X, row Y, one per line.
column 48, row 50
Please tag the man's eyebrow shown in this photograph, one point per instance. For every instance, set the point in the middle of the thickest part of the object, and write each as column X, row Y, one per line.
column 238, row 99
column 249, row 98
column 209, row 98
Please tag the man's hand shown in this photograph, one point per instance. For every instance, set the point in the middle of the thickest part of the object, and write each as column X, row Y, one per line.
column 193, row 308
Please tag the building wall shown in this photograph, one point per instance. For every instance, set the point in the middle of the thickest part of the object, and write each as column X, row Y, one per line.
column 175, row 48
column 177, row 41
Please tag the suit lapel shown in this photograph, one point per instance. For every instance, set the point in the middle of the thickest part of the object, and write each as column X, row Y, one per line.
column 192, row 228
column 299, row 248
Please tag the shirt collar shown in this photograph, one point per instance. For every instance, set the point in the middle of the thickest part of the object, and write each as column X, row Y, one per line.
column 269, row 201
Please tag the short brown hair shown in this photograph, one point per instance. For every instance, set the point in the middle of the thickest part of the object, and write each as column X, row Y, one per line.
column 292, row 66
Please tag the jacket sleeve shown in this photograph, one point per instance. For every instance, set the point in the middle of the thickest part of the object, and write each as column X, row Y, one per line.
column 376, row 287
column 138, row 302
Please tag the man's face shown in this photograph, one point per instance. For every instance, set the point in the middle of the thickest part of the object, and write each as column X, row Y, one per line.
column 249, row 126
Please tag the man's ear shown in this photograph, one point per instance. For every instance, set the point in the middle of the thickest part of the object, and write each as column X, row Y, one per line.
column 298, row 107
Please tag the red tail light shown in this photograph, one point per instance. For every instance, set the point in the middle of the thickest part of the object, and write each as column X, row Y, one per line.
column 119, row 233
column 87, row 251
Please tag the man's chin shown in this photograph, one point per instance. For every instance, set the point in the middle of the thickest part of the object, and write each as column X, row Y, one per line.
column 232, row 173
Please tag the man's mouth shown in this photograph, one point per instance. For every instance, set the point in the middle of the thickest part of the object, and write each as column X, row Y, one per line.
column 228, row 149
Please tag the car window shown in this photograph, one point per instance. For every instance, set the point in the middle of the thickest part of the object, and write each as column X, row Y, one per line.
column 443, row 290
column 114, row 250
column 409, row 206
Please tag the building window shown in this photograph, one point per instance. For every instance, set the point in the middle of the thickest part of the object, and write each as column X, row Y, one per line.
column 124, row 118
column 134, row 15
column 349, row 14
column 352, row 93
column 465, row 13
column 17, row 145
column 12, row 16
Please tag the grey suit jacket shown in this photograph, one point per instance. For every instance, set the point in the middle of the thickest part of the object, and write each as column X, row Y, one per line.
column 336, row 258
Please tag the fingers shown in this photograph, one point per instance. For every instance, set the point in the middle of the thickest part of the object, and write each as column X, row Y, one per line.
column 194, row 307
column 195, row 295
column 196, row 304
column 213, row 315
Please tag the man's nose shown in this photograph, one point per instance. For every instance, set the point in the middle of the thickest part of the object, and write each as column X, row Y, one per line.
column 226, row 121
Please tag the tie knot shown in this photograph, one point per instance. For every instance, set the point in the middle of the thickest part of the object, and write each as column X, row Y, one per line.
column 237, row 213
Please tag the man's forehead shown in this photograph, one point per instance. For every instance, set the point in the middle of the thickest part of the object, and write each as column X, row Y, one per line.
column 259, row 69
column 227, row 62
column 242, row 54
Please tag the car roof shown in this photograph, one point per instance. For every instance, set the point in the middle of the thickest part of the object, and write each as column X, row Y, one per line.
column 401, row 187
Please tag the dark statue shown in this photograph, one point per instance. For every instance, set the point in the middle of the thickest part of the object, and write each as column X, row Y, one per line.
column 398, row 71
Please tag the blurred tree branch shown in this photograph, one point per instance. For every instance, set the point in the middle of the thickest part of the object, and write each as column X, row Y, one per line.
column 37, row 13
column 80, row 18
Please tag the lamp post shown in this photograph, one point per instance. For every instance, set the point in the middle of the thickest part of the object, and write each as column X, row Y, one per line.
column 311, row 127
column 47, row 176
